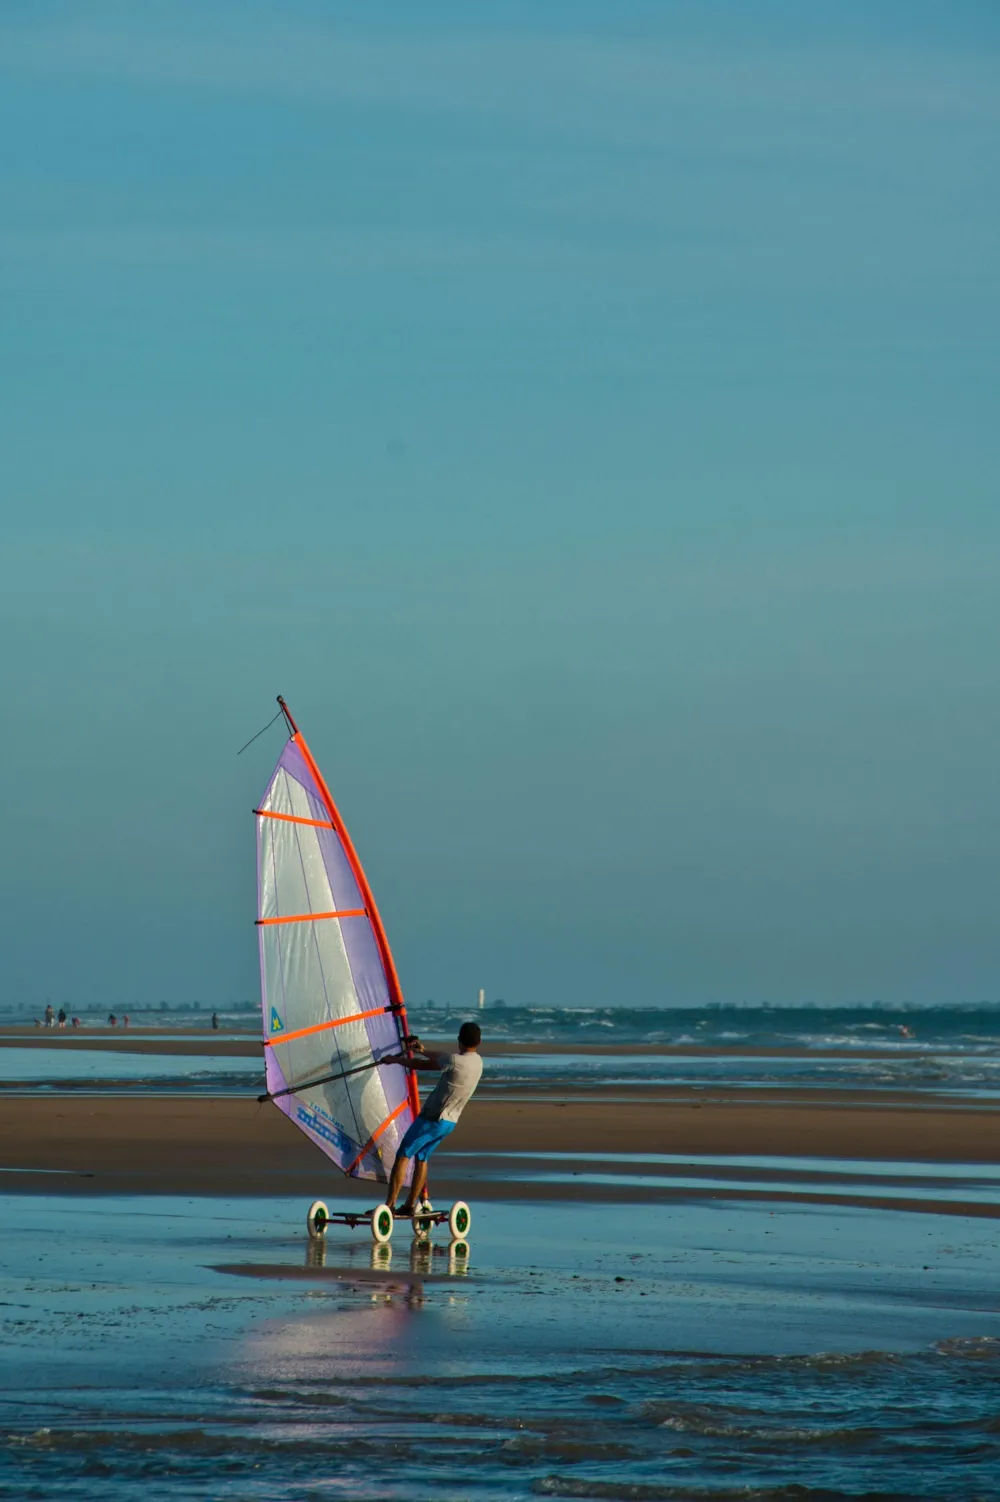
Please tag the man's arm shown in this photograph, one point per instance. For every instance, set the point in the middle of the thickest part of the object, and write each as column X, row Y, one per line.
column 416, row 1056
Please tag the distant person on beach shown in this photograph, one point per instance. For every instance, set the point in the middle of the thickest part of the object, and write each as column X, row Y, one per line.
column 904, row 1031
column 215, row 1022
column 125, row 1020
column 75, row 1022
column 460, row 1074
column 112, row 1020
column 62, row 1017
column 49, row 1016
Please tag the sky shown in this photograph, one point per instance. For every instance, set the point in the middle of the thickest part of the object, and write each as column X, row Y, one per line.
column 584, row 415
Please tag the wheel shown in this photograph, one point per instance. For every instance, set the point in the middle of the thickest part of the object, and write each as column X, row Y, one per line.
column 422, row 1222
column 317, row 1220
column 459, row 1220
column 382, row 1223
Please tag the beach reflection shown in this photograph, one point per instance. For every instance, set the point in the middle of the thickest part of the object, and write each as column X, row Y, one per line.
column 421, row 1257
column 425, row 1257
column 316, row 1251
column 459, row 1254
column 381, row 1257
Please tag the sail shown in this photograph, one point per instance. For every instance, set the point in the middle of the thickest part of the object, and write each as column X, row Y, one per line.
column 331, row 1001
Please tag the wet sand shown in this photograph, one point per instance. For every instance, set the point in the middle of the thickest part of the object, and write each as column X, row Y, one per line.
column 217, row 1145
column 202, row 1348
column 529, row 1140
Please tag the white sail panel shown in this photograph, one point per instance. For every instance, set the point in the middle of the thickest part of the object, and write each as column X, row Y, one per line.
column 328, row 1009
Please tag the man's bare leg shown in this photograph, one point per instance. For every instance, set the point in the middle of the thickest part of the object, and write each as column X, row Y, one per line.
column 418, row 1186
column 396, row 1180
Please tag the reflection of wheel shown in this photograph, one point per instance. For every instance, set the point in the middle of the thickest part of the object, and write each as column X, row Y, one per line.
column 459, row 1220
column 317, row 1219
column 421, row 1258
column 382, row 1223
column 458, row 1257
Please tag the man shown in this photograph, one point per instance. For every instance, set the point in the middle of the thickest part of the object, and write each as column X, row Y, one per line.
column 460, row 1074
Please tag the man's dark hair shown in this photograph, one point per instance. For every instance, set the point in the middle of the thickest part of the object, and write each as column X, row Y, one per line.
column 470, row 1035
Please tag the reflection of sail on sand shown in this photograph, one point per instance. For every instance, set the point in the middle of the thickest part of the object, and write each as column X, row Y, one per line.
column 331, row 999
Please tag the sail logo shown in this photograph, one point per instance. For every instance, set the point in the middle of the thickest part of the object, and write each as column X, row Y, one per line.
column 313, row 1122
column 277, row 1026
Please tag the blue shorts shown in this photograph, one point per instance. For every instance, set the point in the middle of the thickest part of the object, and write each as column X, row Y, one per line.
column 423, row 1136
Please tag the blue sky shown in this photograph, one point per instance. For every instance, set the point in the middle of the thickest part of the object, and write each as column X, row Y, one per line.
column 585, row 416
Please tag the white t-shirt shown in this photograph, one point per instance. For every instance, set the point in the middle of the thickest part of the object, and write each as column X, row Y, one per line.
column 454, row 1089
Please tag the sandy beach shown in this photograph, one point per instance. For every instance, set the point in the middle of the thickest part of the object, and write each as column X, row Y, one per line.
column 183, row 1144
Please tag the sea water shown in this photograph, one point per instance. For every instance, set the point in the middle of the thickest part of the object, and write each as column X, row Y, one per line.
column 962, row 1024
column 956, row 1067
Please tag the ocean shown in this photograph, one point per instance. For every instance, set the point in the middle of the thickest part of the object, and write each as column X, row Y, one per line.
column 959, row 1025
column 943, row 1050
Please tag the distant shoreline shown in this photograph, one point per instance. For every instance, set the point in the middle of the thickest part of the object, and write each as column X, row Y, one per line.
column 246, row 1043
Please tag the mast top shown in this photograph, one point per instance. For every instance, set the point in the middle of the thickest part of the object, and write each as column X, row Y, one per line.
column 292, row 727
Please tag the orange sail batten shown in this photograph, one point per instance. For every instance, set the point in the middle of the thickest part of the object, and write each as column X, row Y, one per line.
column 351, row 912
column 266, row 813
column 322, row 1027
column 376, row 1135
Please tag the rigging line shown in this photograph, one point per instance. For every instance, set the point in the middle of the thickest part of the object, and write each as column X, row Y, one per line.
column 326, row 1079
column 260, row 733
